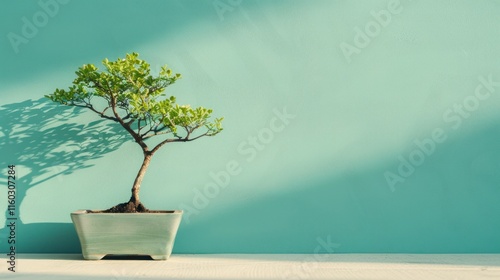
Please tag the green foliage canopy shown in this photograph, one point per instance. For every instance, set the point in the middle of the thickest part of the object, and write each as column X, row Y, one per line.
column 135, row 99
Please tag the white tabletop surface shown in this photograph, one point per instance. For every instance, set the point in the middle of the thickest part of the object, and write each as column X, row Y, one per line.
column 258, row 266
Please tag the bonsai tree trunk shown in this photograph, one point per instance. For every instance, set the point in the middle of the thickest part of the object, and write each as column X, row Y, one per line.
column 135, row 201
column 134, row 204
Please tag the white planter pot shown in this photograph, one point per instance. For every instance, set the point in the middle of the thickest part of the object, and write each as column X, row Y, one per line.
column 104, row 234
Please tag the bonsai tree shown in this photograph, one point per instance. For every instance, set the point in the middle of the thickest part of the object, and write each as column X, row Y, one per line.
column 126, row 93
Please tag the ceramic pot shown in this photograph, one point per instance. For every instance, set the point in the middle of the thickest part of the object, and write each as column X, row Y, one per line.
column 104, row 234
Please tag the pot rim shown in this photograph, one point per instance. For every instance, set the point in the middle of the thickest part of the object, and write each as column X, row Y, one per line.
column 166, row 212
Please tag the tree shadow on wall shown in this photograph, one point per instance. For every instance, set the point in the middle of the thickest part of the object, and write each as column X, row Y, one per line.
column 45, row 140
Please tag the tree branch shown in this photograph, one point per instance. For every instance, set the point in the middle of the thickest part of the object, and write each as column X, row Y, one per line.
column 180, row 139
column 89, row 106
column 127, row 127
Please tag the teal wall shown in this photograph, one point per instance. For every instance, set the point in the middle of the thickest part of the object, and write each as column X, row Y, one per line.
column 350, row 126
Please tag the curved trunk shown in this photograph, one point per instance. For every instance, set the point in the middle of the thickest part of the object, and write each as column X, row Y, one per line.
column 138, row 179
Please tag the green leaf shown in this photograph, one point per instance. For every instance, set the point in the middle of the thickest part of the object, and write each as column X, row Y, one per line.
column 127, row 85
